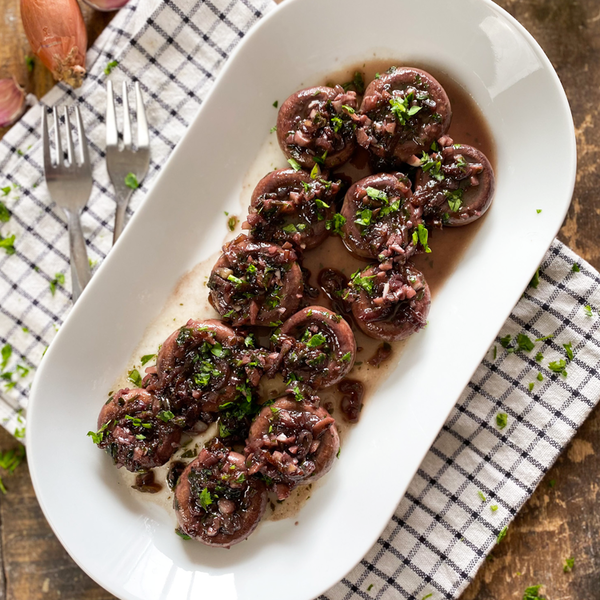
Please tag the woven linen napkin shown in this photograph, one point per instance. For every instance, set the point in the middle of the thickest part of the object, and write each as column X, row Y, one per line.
column 443, row 527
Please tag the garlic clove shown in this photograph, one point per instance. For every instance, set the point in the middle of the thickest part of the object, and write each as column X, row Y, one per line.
column 106, row 5
column 12, row 101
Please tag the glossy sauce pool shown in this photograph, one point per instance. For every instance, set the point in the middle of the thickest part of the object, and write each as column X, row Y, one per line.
column 190, row 297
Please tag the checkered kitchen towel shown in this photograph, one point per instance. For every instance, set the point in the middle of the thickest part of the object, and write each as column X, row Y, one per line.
column 479, row 471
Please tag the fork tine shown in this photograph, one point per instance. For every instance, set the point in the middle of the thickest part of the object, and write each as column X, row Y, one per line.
column 70, row 152
column 83, row 143
column 46, row 141
column 126, row 119
column 142, row 124
column 112, row 133
column 59, row 150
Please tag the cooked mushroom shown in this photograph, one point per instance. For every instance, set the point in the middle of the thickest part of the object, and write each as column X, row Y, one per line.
column 317, row 347
column 216, row 501
column 292, row 442
column 291, row 206
column 315, row 127
column 136, row 432
column 256, row 283
column 202, row 367
column 389, row 303
column 455, row 183
column 380, row 217
column 404, row 111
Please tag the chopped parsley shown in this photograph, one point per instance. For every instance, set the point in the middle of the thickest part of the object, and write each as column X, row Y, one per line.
column 337, row 124
column 358, row 83
column 454, row 199
column 5, row 353
column 59, row 279
column 30, row 63
column 4, row 213
column 531, row 386
column 427, row 596
column 366, row 283
column 421, row 235
column 502, row 535
column 540, row 377
column 317, row 340
column 320, row 160
column 365, row 217
column 531, row 593
column 135, row 377
column 558, row 366
column 588, row 310
column 524, row 343
column 183, row 536
column 546, row 337
column 9, row 461
column 575, row 268
column 110, row 66
column 494, row 507
column 501, row 420
column 377, row 194
column 535, row 280
column 320, row 203
column 336, row 223
column 205, row 498
column 8, row 244
column 433, row 167
column 276, row 104
column 274, row 128
column 147, row 358
column 232, row 222
column 235, row 280
column 370, row 587
column 131, row 181
column 348, row 109
column 347, row 357
column 481, row 496
column 98, row 436
column 137, row 422
column 569, row 564
column 568, row 350
column 165, row 416
column 539, row 357
column 316, row 171
column 402, row 109
column 538, row 210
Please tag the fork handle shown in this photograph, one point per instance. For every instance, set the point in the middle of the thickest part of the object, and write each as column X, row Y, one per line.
column 123, row 196
column 80, row 265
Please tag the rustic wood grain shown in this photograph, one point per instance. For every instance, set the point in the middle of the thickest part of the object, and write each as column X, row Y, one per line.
column 558, row 522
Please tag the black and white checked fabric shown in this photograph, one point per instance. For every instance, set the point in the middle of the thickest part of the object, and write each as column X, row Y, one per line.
column 443, row 528
column 445, row 525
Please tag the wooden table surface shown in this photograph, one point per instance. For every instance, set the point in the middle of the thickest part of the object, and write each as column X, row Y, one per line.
column 559, row 520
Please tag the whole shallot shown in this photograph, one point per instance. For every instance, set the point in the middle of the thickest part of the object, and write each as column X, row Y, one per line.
column 56, row 31
column 106, row 5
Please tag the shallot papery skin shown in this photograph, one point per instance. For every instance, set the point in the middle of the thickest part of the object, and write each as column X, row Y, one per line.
column 56, row 31
column 106, row 5
column 12, row 101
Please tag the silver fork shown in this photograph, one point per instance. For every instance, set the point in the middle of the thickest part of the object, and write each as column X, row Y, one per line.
column 70, row 186
column 121, row 162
